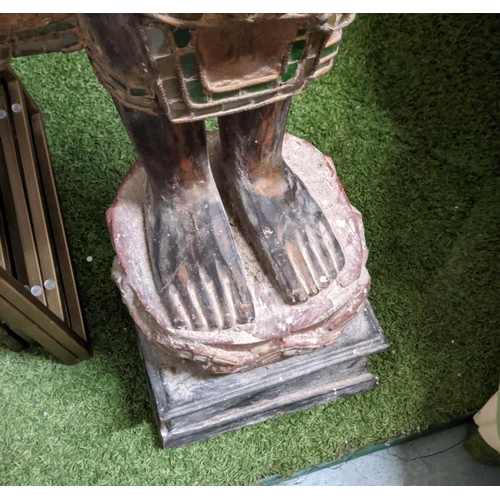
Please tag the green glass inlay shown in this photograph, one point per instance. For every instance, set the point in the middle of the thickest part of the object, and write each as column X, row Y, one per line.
column 301, row 32
column 137, row 92
column 182, row 37
column 196, row 91
column 224, row 95
column 54, row 27
column 290, row 72
column 297, row 50
column 2, row 39
column 122, row 85
column 187, row 17
column 24, row 35
column 189, row 65
column 261, row 86
column 329, row 50
column 51, row 28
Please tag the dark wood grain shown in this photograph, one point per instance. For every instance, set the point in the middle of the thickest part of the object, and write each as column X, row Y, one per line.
column 196, row 267
column 286, row 226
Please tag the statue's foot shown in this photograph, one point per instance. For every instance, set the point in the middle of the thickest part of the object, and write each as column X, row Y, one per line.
column 197, row 270
column 293, row 239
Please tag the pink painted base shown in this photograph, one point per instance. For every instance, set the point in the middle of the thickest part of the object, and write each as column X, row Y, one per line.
column 279, row 330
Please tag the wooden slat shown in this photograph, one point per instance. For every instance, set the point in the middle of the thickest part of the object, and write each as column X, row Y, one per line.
column 45, row 251
column 4, row 246
column 23, row 221
column 8, row 75
column 18, row 266
column 32, row 234
column 19, row 323
column 10, row 339
column 57, row 225
column 22, row 300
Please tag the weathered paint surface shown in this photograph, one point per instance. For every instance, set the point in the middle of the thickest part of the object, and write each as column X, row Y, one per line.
column 279, row 329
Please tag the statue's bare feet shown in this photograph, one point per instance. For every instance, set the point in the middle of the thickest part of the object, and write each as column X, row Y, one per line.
column 288, row 229
column 197, row 269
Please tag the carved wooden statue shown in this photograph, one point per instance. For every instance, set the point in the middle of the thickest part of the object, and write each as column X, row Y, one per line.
column 167, row 73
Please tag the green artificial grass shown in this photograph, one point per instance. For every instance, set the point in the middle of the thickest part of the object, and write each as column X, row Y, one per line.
column 410, row 116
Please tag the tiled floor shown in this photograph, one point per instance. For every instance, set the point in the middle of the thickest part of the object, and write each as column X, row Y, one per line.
column 437, row 459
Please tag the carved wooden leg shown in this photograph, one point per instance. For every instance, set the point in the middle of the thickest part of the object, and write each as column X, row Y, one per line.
column 286, row 226
column 196, row 266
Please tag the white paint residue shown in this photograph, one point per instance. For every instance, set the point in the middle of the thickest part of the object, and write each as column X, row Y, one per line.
column 242, row 337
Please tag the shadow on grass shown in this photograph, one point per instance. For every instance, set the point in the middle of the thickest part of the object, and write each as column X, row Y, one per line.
column 437, row 78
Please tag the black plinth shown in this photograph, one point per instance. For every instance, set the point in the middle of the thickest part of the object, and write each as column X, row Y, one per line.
column 191, row 405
